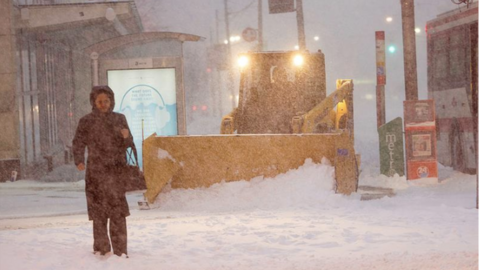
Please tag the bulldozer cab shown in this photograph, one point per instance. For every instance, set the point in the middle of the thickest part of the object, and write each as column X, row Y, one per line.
column 275, row 87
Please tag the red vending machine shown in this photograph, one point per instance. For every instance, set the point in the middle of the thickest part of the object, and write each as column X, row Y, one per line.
column 420, row 140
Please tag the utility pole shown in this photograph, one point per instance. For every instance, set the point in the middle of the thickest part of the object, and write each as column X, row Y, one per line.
column 381, row 76
column 216, row 27
column 230, row 83
column 301, row 27
column 260, row 26
column 409, row 49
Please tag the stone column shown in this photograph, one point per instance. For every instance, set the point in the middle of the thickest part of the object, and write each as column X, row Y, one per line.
column 9, row 119
column 94, row 61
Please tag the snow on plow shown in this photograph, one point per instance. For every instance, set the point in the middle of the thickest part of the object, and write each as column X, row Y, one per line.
column 200, row 161
column 283, row 118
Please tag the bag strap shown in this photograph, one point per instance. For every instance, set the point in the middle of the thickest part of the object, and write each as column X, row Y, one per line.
column 129, row 154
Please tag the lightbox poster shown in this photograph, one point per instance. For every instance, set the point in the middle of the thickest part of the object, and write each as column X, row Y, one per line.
column 148, row 95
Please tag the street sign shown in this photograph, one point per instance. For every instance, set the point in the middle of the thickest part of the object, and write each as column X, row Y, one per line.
column 391, row 148
column 381, row 76
column 249, row 34
column 380, row 57
column 281, row 6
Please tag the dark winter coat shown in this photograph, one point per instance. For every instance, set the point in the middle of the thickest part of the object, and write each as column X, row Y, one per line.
column 100, row 134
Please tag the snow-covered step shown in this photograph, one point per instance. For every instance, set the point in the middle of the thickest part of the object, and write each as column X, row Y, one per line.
column 372, row 193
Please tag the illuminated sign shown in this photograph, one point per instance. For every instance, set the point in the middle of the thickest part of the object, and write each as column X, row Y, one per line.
column 147, row 98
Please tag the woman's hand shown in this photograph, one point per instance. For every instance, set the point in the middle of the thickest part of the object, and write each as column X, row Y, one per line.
column 125, row 133
column 81, row 167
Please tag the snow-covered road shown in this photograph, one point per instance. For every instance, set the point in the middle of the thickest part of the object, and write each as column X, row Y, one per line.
column 293, row 221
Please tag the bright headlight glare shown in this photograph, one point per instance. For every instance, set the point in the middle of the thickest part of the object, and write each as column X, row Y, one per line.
column 298, row 60
column 243, row 61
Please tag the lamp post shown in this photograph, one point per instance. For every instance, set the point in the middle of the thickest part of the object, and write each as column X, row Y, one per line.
column 230, row 82
column 301, row 26
column 260, row 26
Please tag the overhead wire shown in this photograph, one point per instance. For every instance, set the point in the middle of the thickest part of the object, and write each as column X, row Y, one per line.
column 238, row 12
column 459, row 2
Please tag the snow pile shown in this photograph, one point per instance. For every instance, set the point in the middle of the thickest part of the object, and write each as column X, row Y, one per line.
column 369, row 177
column 311, row 184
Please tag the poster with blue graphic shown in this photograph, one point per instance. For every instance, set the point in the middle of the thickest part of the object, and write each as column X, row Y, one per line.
column 147, row 97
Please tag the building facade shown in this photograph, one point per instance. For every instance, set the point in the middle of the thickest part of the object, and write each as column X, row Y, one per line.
column 57, row 50
column 453, row 84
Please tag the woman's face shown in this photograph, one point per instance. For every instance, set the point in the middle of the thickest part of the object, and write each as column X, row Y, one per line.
column 102, row 102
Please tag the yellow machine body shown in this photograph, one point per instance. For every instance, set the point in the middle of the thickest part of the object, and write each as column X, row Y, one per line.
column 283, row 118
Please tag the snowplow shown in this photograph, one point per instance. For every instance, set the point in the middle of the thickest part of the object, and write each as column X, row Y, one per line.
column 283, row 117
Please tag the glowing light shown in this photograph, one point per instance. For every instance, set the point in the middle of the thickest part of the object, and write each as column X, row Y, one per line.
column 316, row 38
column 298, row 60
column 418, row 30
column 369, row 96
column 234, row 38
column 389, row 19
column 297, row 47
column 243, row 61
column 225, row 41
column 392, row 49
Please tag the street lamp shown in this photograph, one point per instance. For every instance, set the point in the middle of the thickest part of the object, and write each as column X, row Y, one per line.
column 234, row 38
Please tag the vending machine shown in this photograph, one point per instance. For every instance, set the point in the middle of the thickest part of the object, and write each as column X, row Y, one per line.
column 420, row 140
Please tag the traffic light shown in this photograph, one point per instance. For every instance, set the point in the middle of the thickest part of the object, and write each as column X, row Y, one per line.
column 392, row 48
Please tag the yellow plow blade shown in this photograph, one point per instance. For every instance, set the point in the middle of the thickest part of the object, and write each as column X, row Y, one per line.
column 200, row 161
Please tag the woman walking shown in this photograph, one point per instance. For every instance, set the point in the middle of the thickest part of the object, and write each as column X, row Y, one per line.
column 106, row 136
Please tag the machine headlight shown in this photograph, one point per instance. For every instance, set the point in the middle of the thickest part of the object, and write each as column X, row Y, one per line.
column 298, row 60
column 242, row 61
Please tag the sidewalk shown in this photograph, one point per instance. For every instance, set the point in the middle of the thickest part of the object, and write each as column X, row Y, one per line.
column 30, row 198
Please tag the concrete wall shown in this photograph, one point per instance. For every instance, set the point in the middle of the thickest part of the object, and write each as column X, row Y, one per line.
column 9, row 136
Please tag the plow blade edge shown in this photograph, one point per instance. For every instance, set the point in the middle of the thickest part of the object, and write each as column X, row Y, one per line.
column 200, row 161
